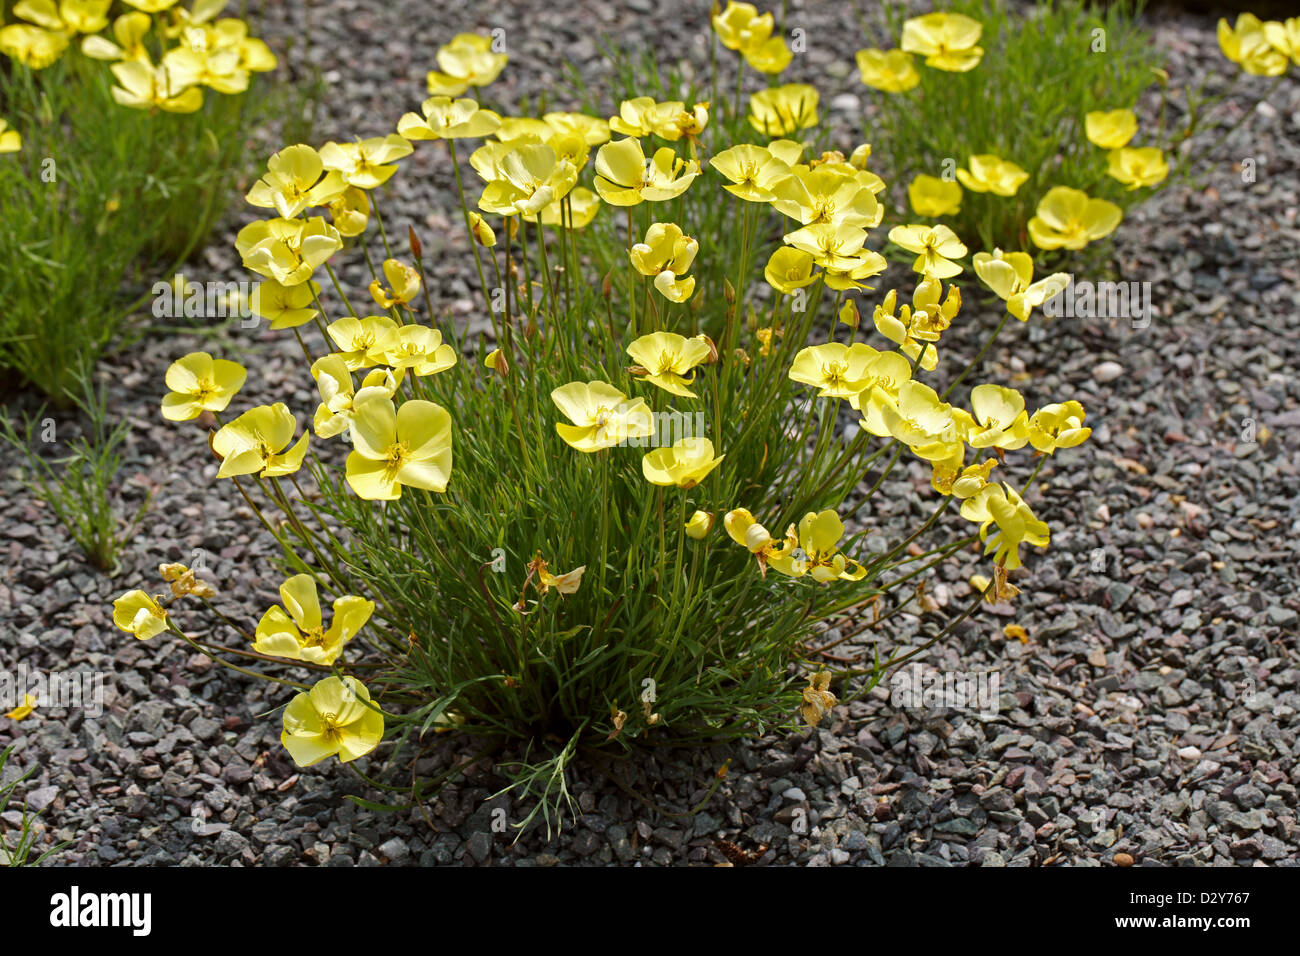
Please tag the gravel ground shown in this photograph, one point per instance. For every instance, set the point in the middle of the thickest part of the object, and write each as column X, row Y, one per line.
column 1149, row 716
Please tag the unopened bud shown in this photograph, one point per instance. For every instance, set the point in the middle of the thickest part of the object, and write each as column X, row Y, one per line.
column 417, row 249
column 728, row 290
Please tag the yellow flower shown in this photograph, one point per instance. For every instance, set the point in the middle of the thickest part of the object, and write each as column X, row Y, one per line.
column 1110, row 130
column 137, row 613
column 685, row 464
column 363, row 342
column 300, row 634
column 200, row 383
column 1010, row 276
column 184, row 582
column 583, row 206
column 144, row 87
column 932, row 197
column 368, row 163
column 526, row 179
column 1285, row 37
column 817, row 698
column 421, row 350
column 31, row 46
column 255, row 442
column 882, row 375
column 334, row 380
column 602, row 416
column 468, row 60
column 129, row 30
column 783, row 110
column 335, row 717
column 1016, row 524
column 921, row 323
column 1068, row 219
column 888, row 70
column 819, row 539
column 286, row 306
column 1248, row 45
column 991, row 174
column 566, row 583
column 666, row 358
column 1058, row 426
column 700, row 525
column 625, row 178
column 767, row 551
column 23, row 710
column 403, row 284
column 835, row 369
column 1137, row 167
column 935, row 248
column 669, row 120
column 833, row 194
column 789, row 269
column 752, row 170
column 665, row 255
column 1002, row 421
column 946, row 40
column 350, row 212
column 295, row 180
column 445, row 118
column 287, row 250
column 831, row 246
column 496, row 360
column 151, row 6
column 590, row 129
column 922, row 422
column 741, row 27
column 10, row 141
column 392, row 447
column 771, row 56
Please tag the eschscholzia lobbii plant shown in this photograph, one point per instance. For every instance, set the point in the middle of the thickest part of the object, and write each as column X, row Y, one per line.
column 626, row 517
column 987, row 115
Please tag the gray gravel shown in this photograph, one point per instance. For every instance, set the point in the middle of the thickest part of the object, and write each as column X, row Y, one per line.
column 1151, row 715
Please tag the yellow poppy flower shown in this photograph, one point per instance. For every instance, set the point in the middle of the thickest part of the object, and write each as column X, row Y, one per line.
column 350, row 212
column 1248, row 45
column 333, row 718
column 767, row 551
column 287, row 250
column 789, row 269
column 1000, row 505
column 144, row 87
column 528, row 177
column 10, row 141
column 935, row 248
column 295, row 179
column 882, row 375
column 200, row 383
column 946, row 40
column 1069, row 219
column 31, row 46
column 685, row 464
column 625, row 178
column 752, row 171
column 836, row 370
column 403, row 284
column 137, row 613
column 740, row 26
column 129, row 30
column 831, row 246
column 933, row 197
column 1110, row 130
column 445, row 118
column 888, row 70
column 420, row 349
column 368, row 163
column 1001, row 419
column 299, row 634
column 363, row 342
column 829, row 193
column 393, row 446
column 665, row 359
column 287, row 307
column 601, row 416
column 334, row 381
column 1010, row 276
column 992, row 174
column 256, row 442
column 1058, row 426
column 1136, row 168
column 771, row 56
column 665, row 255
column 783, row 110
column 468, row 60
column 819, row 539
